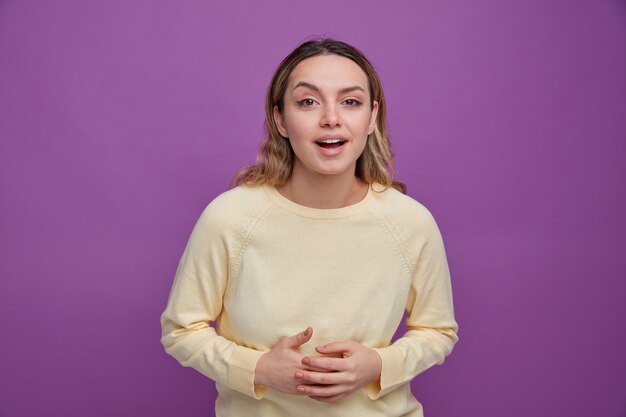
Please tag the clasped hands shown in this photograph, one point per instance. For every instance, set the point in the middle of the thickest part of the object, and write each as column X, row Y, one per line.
column 347, row 367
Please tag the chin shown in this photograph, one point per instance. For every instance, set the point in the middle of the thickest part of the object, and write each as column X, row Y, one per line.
column 329, row 168
column 330, row 172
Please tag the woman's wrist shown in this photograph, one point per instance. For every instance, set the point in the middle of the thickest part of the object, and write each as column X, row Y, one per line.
column 259, row 371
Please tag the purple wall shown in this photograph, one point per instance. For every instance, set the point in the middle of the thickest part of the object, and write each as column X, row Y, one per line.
column 120, row 121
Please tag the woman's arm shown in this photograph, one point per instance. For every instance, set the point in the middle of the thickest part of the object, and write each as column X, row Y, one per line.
column 432, row 329
column 195, row 301
column 432, row 333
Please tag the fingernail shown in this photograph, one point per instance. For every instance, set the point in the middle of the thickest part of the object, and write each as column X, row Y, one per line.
column 299, row 375
column 305, row 361
column 301, row 389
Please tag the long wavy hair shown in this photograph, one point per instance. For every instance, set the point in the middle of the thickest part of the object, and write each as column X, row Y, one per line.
column 275, row 158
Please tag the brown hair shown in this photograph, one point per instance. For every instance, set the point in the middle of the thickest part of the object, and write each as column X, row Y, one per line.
column 275, row 158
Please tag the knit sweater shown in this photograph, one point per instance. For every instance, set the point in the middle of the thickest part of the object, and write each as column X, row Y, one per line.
column 261, row 267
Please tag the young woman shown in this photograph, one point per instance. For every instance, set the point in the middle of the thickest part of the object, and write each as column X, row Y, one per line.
column 307, row 265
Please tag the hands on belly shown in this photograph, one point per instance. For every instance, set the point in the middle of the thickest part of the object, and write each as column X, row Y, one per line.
column 346, row 367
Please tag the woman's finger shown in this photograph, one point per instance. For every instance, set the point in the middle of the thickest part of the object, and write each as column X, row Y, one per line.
column 297, row 339
column 316, row 369
column 345, row 347
column 322, row 378
column 322, row 390
column 328, row 364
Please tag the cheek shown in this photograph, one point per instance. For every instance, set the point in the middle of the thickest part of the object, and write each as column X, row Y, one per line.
column 297, row 124
column 361, row 123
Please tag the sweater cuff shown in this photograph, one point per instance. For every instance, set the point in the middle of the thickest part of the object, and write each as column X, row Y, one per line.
column 390, row 374
column 241, row 369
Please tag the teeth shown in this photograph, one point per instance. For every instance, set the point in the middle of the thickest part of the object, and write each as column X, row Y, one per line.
column 331, row 141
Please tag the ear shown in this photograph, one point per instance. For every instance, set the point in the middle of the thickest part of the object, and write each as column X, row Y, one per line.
column 372, row 125
column 278, row 119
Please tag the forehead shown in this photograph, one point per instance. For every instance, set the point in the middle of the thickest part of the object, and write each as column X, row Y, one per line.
column 328, row 72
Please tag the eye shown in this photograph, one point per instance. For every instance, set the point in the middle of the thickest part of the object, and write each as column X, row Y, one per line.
column 306, row 102
column 352, row 102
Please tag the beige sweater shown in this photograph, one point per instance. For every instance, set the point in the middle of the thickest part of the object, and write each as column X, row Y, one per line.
column 262, row 267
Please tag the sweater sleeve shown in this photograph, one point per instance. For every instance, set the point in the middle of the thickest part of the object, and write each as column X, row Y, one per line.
column 431, row 327
column 195, row 301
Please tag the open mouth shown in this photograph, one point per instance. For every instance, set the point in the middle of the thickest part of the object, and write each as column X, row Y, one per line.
column 330, row 143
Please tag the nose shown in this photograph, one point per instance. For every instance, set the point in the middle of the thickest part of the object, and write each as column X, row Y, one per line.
column 330, row 117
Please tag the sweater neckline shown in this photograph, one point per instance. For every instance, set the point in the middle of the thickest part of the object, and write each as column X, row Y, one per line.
column 319, row 213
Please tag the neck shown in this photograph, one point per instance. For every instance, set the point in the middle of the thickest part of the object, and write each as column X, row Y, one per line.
column 324, row 191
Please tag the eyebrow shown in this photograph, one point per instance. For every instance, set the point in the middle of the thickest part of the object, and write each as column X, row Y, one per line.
column 316, row 88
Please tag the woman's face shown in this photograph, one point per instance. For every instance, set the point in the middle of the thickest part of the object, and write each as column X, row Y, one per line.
column 326, row 115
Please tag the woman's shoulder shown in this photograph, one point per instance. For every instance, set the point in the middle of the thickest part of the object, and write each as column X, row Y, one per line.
column 241, row 195
column 402, row 209
column 236, row 205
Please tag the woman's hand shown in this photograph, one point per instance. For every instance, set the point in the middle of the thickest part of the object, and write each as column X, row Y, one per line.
column 277, row 368
column 357, row 366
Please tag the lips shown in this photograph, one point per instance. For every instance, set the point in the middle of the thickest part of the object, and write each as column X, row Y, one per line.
column 329, row 142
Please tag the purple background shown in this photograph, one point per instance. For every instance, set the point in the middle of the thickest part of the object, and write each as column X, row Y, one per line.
column 120, row 121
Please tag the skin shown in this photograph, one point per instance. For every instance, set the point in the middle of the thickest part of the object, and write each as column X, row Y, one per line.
column 323, row 181
column 317, row 180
